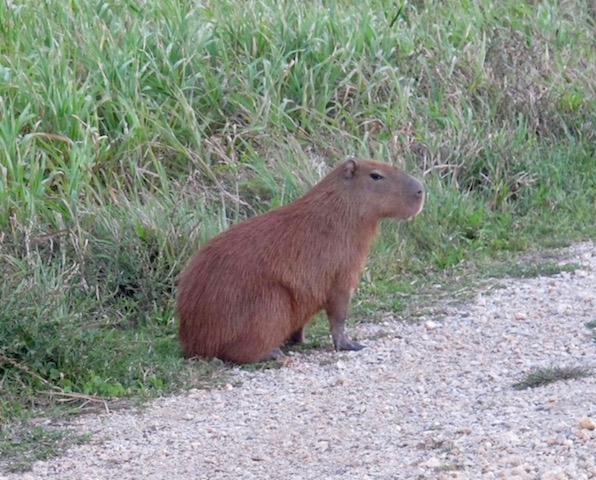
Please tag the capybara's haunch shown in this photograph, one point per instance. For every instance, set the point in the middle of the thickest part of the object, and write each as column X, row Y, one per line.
column 256, row 285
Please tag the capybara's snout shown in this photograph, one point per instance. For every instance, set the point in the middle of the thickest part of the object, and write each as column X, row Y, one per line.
column 416, row 191
column 414, row 197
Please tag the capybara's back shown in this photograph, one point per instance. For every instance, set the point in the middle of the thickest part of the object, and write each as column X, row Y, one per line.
column 256, row 285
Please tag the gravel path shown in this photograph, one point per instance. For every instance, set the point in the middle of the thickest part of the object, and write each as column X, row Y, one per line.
column 425, row 400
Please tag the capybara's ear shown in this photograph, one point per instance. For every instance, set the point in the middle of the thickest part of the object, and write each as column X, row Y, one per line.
column 350, row 168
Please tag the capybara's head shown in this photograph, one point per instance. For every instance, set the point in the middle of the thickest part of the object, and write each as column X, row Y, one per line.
column 382, row 190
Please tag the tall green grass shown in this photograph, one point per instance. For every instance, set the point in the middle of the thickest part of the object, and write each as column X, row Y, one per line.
column 130, row 132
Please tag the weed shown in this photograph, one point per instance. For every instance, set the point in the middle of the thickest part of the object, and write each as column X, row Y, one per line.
column 592, row 326
column 21, row 445
column 545, row 375
column 530, row 270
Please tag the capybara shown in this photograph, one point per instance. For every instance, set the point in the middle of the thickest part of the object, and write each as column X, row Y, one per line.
column 257, row 284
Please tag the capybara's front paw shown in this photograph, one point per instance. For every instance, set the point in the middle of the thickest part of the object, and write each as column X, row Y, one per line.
column 346, row 344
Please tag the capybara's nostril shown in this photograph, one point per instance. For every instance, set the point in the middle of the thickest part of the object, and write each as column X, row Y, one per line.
column 417, row 188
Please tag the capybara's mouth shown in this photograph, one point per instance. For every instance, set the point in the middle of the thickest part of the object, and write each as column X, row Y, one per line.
column 415, row 211
column 419, row 207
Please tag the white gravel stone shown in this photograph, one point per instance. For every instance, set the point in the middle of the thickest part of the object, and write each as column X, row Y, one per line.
column 587, row 423
column 417, row 401
column 430, row 325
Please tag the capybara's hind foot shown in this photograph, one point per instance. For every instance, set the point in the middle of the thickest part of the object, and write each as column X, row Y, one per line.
column 275, row 354
column 296, row 337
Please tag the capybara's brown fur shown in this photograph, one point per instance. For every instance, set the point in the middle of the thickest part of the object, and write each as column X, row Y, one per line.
column 256, row 285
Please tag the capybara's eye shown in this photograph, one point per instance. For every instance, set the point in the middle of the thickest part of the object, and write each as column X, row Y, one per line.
column 376, row 176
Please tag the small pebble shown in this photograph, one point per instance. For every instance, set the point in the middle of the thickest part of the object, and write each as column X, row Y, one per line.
column 561, row 308
column 587, row 423
column 432, row 462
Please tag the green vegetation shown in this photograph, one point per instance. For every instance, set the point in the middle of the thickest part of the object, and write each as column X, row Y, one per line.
column 543, row 376
column 21, row 446
column 130, row 132
column 592, row 326
column 530, row 269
